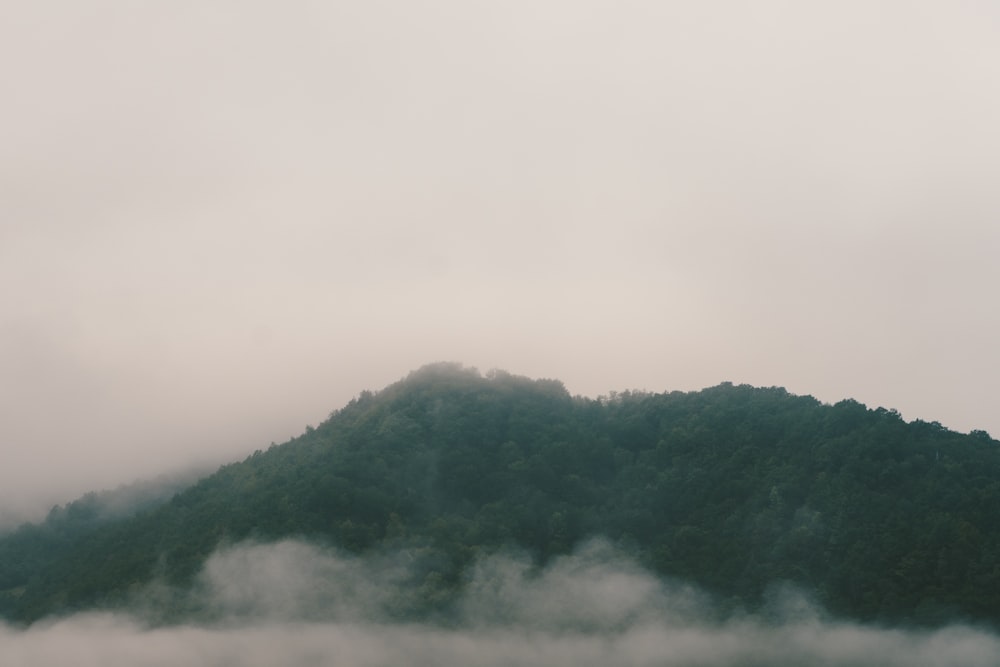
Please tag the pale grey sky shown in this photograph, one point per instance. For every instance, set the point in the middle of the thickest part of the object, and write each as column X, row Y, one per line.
column 221, row 220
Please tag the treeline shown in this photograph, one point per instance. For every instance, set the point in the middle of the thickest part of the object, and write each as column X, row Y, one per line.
column 734, row 488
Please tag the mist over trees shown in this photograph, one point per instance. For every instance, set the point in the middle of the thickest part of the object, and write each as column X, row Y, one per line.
column 738, row 490
column 294, row 604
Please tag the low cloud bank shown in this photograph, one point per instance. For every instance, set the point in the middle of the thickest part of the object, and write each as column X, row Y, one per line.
column 294, row 604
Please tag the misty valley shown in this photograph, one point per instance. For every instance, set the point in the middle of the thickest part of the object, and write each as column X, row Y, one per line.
column 455, row 518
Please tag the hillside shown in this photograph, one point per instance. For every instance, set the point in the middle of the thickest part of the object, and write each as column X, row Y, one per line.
column 734, row 488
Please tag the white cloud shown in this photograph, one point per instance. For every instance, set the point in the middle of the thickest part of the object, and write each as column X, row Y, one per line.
column 593, row 608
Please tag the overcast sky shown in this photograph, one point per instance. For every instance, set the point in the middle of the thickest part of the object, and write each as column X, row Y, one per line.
column 219, row 221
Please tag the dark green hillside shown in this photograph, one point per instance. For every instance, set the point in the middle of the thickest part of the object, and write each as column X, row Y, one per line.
column 32, row 548
column 732, row 487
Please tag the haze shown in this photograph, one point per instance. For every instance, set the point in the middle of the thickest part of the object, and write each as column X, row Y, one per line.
column 294, row 604
column 220, row 221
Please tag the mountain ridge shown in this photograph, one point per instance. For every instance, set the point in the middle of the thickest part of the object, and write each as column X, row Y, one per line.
column 734, row 488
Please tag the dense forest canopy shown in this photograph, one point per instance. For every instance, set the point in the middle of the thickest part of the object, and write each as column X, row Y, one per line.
column 734, row 488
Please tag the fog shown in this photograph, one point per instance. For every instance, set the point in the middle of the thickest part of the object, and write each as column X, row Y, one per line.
column 219, row 221
column 295, row 604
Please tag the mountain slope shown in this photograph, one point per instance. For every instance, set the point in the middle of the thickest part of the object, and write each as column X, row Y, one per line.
column 732, row 487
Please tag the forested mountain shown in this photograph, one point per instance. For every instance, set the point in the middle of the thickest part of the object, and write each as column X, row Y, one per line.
column 733, row 488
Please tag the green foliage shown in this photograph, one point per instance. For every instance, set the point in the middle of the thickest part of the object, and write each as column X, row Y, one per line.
column 735, row 488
